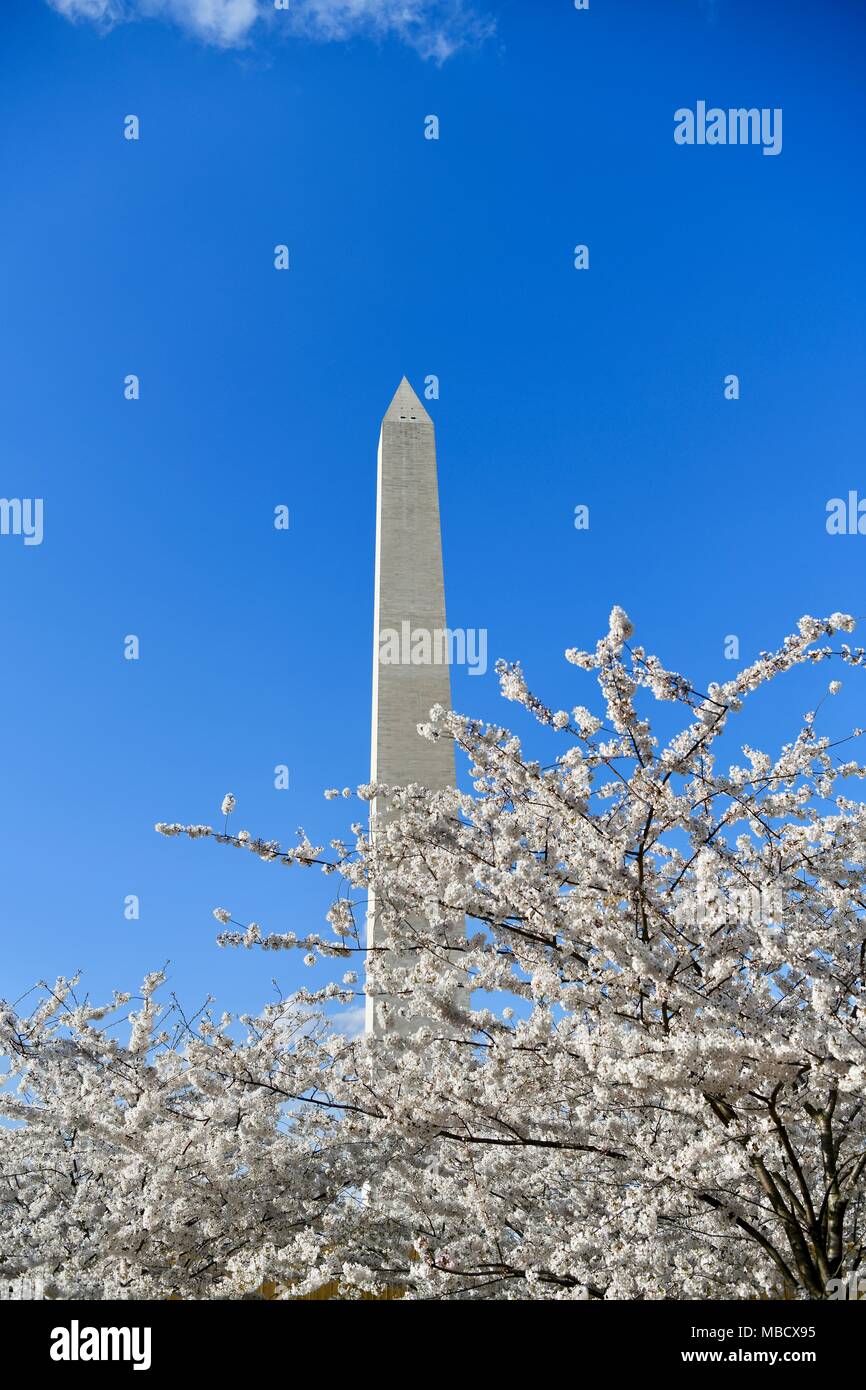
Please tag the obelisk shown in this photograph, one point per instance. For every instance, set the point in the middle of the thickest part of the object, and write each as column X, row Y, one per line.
column 409, row 603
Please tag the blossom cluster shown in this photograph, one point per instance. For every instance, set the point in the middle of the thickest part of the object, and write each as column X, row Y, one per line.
column 635, row 1058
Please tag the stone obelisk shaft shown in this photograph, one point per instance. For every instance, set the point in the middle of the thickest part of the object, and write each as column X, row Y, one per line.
column 409, row 603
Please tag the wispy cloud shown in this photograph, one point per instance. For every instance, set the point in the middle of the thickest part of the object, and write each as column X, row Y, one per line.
column 349, row 1021
column 434, row 28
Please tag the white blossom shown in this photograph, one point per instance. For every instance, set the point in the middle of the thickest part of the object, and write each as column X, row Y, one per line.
column 633, row 974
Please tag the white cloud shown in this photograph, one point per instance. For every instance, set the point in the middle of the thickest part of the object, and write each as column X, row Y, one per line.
column 434, row 28
column 227, row 23
column 107, row 11
column 349, row 1021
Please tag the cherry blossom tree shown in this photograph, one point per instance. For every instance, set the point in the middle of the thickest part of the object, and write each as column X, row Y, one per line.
column 635, row 1060
column 167, row 1163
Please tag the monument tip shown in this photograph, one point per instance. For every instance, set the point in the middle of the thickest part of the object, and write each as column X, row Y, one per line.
column 405, row 405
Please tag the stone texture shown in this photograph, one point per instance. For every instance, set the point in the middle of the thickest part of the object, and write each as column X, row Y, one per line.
column 409, row 588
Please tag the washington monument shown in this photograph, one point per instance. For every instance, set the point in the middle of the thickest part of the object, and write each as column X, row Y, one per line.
column 410, row 588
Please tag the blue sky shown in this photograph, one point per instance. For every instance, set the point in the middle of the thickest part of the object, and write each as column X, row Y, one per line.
column 452, row 257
